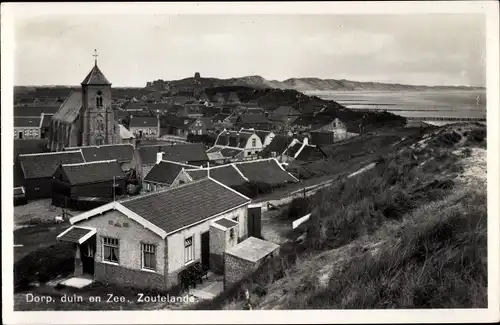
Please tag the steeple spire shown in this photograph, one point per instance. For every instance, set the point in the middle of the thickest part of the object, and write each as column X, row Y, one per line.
column 95, row 56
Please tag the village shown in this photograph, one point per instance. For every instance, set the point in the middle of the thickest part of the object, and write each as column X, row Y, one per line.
column 170, row 193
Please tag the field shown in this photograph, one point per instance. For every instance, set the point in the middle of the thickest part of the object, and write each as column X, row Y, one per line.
column 449, row 103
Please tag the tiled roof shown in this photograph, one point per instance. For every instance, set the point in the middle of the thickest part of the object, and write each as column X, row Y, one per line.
column 143, row 121
column 183, row 153
column 74, row 234
column 70, row 109
column 214, row 156
column 47, row 118
column 165, row 172
column 95, row 77
column 31, row 122
column 231, row 152
column 304, row 120
column 310, row 152
column 294, row 148
column 284, row 113
column 260, row 133
column 227, row 175
column 181, row 206
column 34, row 111
column 233, row 139
column 279, row 144
column 93, row 172
column 41, row 165
column 119, row 152
column 265, row 171
column 220, row 117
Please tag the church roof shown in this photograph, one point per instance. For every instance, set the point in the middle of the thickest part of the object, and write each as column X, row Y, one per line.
column 95, row 77
column 69, row 110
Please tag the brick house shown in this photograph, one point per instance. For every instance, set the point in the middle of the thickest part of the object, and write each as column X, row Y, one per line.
column 249, row 142
column 75, row 183
column 38, row 169
column 148, row 241
column 27, row 128
column 145, row 127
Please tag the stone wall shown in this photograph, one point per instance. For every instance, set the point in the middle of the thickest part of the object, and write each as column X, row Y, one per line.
column 120, row 275
column 235, row 269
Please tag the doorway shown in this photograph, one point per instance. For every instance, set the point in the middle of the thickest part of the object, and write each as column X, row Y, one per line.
column 205, row 249
column 88, row 253
column 20, row 135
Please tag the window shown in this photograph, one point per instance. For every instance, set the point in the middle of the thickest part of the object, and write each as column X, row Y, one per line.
column 110, row 249
column 188, row 250
column 148, row 256
column 231, row 233
column 254, row 142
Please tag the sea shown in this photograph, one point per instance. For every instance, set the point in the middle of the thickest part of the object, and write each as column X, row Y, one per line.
column 431, row 103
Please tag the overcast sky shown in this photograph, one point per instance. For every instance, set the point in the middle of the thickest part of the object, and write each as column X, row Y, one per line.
column 431, row 49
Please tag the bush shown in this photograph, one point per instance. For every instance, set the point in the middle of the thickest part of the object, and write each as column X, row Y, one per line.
column 44, row 264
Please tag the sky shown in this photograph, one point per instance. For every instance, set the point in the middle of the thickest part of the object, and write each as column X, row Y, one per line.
column 429, row 49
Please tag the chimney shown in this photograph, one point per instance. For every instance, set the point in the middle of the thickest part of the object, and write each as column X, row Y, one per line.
column 159, row 157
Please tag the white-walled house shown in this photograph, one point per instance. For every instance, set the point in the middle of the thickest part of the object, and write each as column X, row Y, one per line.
column 265, row 136
column 147, row 241
column 249, row 142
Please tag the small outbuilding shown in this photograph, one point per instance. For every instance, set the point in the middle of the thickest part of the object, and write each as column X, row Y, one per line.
column 246, row 257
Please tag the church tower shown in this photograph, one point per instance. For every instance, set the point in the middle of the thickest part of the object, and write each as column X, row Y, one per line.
column 97, row 123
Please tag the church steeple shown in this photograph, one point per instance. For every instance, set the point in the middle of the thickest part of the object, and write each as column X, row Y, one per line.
column 95, row 76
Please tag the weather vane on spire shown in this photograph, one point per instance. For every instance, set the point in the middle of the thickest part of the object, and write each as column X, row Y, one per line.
column 95, row 56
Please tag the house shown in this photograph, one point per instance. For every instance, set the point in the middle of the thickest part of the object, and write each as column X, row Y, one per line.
column 263, row 171
column 303, row 123
column 193, row 110
column 163, row 174
column 284, row 114
column 301, row 151
column 202, row 125
column 27, row 128
column 328, row 132
column 145, row 127
column 219, row 118
column 174, row 125
column 151, row 240
column 255, row 121
column 37, row 170
column 126, row 137
column 76, row 185
column 216, row 157
column 249, row 142
column 265, row 136
column 124, row 154
column 189, row 153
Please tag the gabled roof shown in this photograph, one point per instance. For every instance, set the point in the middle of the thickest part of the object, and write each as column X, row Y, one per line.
column 309, row 152
column 166, row 171
column 228, row 175
column 92, row 172
column 143, row 121
column 267, row 171
column 173, row 209
column 235, row 139
column 27, row 122
column 214, row 149
column 231, row 152
column 279, row 144
column 260, row 133
column 95, row 77
column 119, row 152
column 70, row 108
column 214, row 156
column 41, row 165
column 34, row 111
column 220, row 117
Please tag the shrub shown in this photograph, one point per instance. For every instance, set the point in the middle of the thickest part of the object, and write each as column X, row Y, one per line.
column 43, row 265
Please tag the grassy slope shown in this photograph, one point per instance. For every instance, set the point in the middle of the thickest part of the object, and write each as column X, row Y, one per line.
column 410, row 233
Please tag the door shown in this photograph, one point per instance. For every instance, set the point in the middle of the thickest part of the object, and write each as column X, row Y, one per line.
column 20, row 135
column 205, row 249
column 88, row 253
